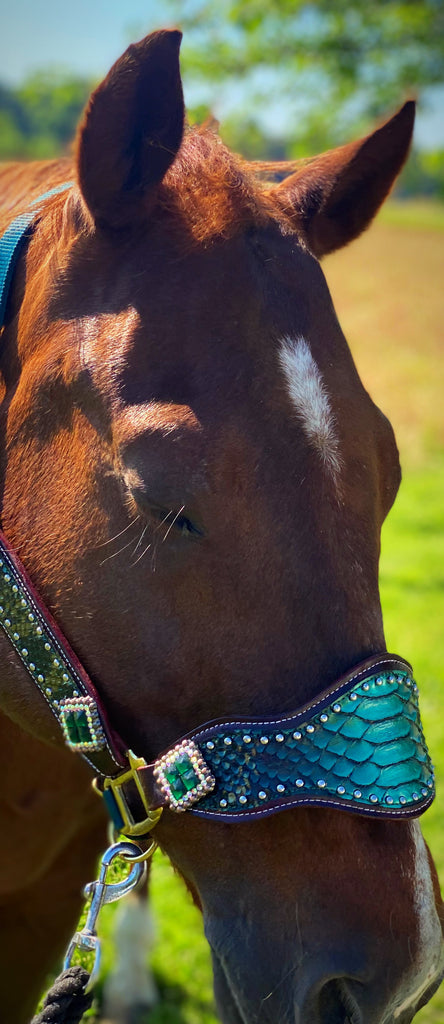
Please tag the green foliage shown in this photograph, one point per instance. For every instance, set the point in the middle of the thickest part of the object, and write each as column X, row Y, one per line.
column 373, row 52
column 39, row 118
column 424, row 175
column 288, row 78
column 412, row 586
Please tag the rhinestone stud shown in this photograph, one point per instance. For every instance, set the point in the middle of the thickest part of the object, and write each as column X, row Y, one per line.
column 336, row 707
column 280, row 788
column 341, row 790
column 279, row 737
column 322, row 783
column 324, row 718
column 297, row 735
column 264, row 740
column 299, row 783
column 210, row 745
column 262, row 794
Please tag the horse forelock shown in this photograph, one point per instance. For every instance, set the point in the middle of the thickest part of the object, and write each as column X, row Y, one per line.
column 210, row 192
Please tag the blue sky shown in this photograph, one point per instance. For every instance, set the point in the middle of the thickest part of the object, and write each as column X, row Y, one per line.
column 86, row 36
column 82, row 35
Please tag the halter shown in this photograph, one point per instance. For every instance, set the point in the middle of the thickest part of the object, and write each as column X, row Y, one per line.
column 359, row 746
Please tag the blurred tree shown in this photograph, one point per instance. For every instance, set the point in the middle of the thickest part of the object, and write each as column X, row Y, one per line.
column 384, row 47
column 327, row 66
column 52, row 103
column 287, row 77
column 38, row 119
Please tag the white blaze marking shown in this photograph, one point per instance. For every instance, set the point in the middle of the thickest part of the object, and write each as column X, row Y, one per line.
column 310, row 399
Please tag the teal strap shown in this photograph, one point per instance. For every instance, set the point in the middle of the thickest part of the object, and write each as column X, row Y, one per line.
column 13, row 239
column 358, row 747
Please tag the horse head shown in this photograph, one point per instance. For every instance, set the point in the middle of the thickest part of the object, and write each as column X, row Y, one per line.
column 208, row 479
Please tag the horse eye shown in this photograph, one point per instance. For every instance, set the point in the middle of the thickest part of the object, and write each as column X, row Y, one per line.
column 186, row 527
column 172, row 520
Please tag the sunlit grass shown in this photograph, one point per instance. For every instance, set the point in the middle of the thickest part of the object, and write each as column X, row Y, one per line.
column 412, row 590
column 414, row 213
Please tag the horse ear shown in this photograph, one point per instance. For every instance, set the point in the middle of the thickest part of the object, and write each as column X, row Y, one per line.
column 131, row 131
column 335, row 196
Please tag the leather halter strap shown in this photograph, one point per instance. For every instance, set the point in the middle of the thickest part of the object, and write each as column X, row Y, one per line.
column 15, row 237
column 359, row 746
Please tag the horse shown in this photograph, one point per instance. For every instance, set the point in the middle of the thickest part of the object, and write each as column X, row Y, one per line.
column 195, row 480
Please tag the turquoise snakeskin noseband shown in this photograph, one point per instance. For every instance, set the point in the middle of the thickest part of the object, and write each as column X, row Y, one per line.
column 359, row 746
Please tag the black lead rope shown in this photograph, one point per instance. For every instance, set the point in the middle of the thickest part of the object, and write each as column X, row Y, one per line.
column 66, row 1001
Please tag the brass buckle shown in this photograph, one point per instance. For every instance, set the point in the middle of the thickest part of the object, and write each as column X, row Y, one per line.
column 130, row 827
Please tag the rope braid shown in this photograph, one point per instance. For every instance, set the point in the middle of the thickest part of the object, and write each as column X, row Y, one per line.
column 66, row 1001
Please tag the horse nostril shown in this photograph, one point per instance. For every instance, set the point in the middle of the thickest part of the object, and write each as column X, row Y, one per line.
column 337, row 1005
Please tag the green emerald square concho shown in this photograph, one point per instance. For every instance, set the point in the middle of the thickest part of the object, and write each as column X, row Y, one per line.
column 183, row 776
column 81, row 725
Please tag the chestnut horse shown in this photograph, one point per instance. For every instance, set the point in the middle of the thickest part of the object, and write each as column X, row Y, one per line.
column 195, row 479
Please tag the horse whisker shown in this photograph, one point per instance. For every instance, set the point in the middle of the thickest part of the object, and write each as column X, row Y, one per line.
column 141, row 538
column 119, row 552
column 117, row 535
column 162, row 521
column 141, row 555
column 172, row 523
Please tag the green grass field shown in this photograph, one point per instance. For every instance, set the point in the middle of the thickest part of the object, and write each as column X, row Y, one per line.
column 388, row 292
